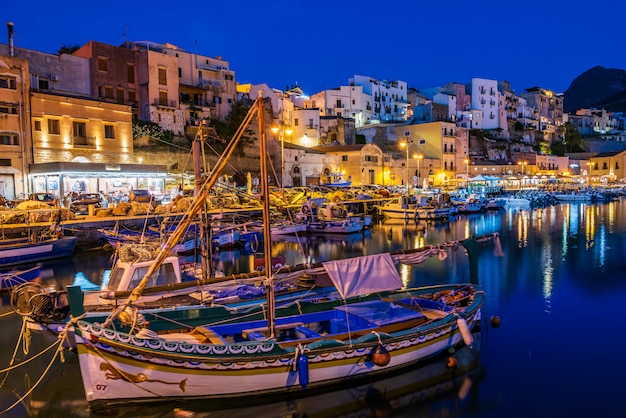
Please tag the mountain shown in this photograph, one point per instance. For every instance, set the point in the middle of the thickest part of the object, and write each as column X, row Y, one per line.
column 598, row 87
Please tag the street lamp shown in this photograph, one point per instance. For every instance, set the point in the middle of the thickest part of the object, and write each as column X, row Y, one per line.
column 407, row 144
column 467, row 173
column 282, row 130
column 418, row 157
column 523, row 164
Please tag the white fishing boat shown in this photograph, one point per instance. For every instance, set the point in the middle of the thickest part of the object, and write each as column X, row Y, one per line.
column 372, row 327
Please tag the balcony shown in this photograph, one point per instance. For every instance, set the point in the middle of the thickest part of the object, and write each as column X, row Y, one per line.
column 84, row 141
column 165, row 103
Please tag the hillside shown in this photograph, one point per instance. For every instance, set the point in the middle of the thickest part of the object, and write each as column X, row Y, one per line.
column 598, row 87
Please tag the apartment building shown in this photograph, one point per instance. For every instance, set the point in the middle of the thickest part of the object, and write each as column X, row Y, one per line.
column 15, row 144
column 390, row 98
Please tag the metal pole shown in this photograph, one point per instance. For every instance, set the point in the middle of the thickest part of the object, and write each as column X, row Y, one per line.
column 282, row 159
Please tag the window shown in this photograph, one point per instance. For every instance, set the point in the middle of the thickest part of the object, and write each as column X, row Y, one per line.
column 38, row 125
column 295, row 122
column 371, row 158
column 131, row 97
column 9, row 139
column 344, row 158
column 103, row 64
column 9, row 109
column 130, row 73
column 108, row 92
column 180, row 72
column 7, row 82
column 109, row 132
column 163, row 98
column 79, row 129
column 163, row 76
column 119, row 96
column 54, row 127
column 43, row 84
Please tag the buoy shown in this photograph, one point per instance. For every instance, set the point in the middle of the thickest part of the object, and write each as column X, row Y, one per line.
column 380, row 356
column 495, row 321
column 451, row 364
column 303, row 370
column 465, row 332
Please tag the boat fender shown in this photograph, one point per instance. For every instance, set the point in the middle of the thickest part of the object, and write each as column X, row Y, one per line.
column 380, row 356
column 302, row 366
column 495, row 321
column 452, row 364
column 465, row 332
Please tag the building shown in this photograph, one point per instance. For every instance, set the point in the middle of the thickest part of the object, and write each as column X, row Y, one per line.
column 15, row 144
column 390, row 98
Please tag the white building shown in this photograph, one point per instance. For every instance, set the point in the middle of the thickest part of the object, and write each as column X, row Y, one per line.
column 390, row 98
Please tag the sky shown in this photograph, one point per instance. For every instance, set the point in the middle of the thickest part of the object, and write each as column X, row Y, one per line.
column 321, row 44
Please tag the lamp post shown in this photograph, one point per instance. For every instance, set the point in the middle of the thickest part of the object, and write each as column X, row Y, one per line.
column 467, row 173
column 523, row 164
column 418, row 157
column 407, row 144
column 282, row 130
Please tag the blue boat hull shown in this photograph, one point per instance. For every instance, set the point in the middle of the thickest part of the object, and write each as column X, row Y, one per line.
column 30, row 253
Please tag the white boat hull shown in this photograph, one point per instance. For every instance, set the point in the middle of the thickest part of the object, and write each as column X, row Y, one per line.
column 116, row 375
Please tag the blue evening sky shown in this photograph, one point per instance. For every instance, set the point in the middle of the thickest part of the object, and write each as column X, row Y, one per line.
column 319, row 44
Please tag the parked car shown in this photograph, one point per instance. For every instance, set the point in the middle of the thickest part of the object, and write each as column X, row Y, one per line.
column 42, row 197
column 142, row 196
column 81, row 204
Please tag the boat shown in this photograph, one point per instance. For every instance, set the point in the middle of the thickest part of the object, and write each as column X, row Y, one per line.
column 15, row 251
column 320, row 218
column 573, row 197
column 402, row 207
column 372, row 327
column 13, row 278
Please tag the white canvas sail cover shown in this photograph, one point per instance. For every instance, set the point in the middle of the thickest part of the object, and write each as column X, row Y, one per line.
column 362, row 275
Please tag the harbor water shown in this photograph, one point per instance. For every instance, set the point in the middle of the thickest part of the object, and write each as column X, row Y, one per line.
column 550, row 341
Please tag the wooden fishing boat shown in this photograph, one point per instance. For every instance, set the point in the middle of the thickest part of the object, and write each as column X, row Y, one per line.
column 12, row 278
column 372, row 327
column 26, row 250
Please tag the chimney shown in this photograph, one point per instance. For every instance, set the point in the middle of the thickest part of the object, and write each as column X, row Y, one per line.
column 10, row 27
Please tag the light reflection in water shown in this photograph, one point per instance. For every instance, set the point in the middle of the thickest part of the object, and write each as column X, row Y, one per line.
column 590, row 226
column 522, row 228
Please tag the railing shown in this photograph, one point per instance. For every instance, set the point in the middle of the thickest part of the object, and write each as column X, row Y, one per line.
column 84, row 141
column 165, row 103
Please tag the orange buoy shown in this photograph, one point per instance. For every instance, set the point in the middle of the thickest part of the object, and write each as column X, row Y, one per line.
column 451, row 364
column 495, row 321
column 380, row 356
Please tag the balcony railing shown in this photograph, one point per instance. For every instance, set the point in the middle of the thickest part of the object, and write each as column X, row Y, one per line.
column 84, row 142
column 165, row 103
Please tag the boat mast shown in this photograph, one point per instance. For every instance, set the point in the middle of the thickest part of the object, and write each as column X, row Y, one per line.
column 267, row 239
column 198, row 166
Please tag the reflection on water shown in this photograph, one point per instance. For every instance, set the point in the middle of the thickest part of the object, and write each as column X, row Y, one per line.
column 562, row 273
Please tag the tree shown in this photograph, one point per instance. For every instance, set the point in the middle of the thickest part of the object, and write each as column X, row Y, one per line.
column 227, row 128
column 67, row 48
column 572, row 139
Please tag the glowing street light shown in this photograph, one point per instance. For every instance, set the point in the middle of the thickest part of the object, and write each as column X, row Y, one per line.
column 282, row 130
column 418, row 157
column 523, row 164
column 466, row 161
column 406, row 144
